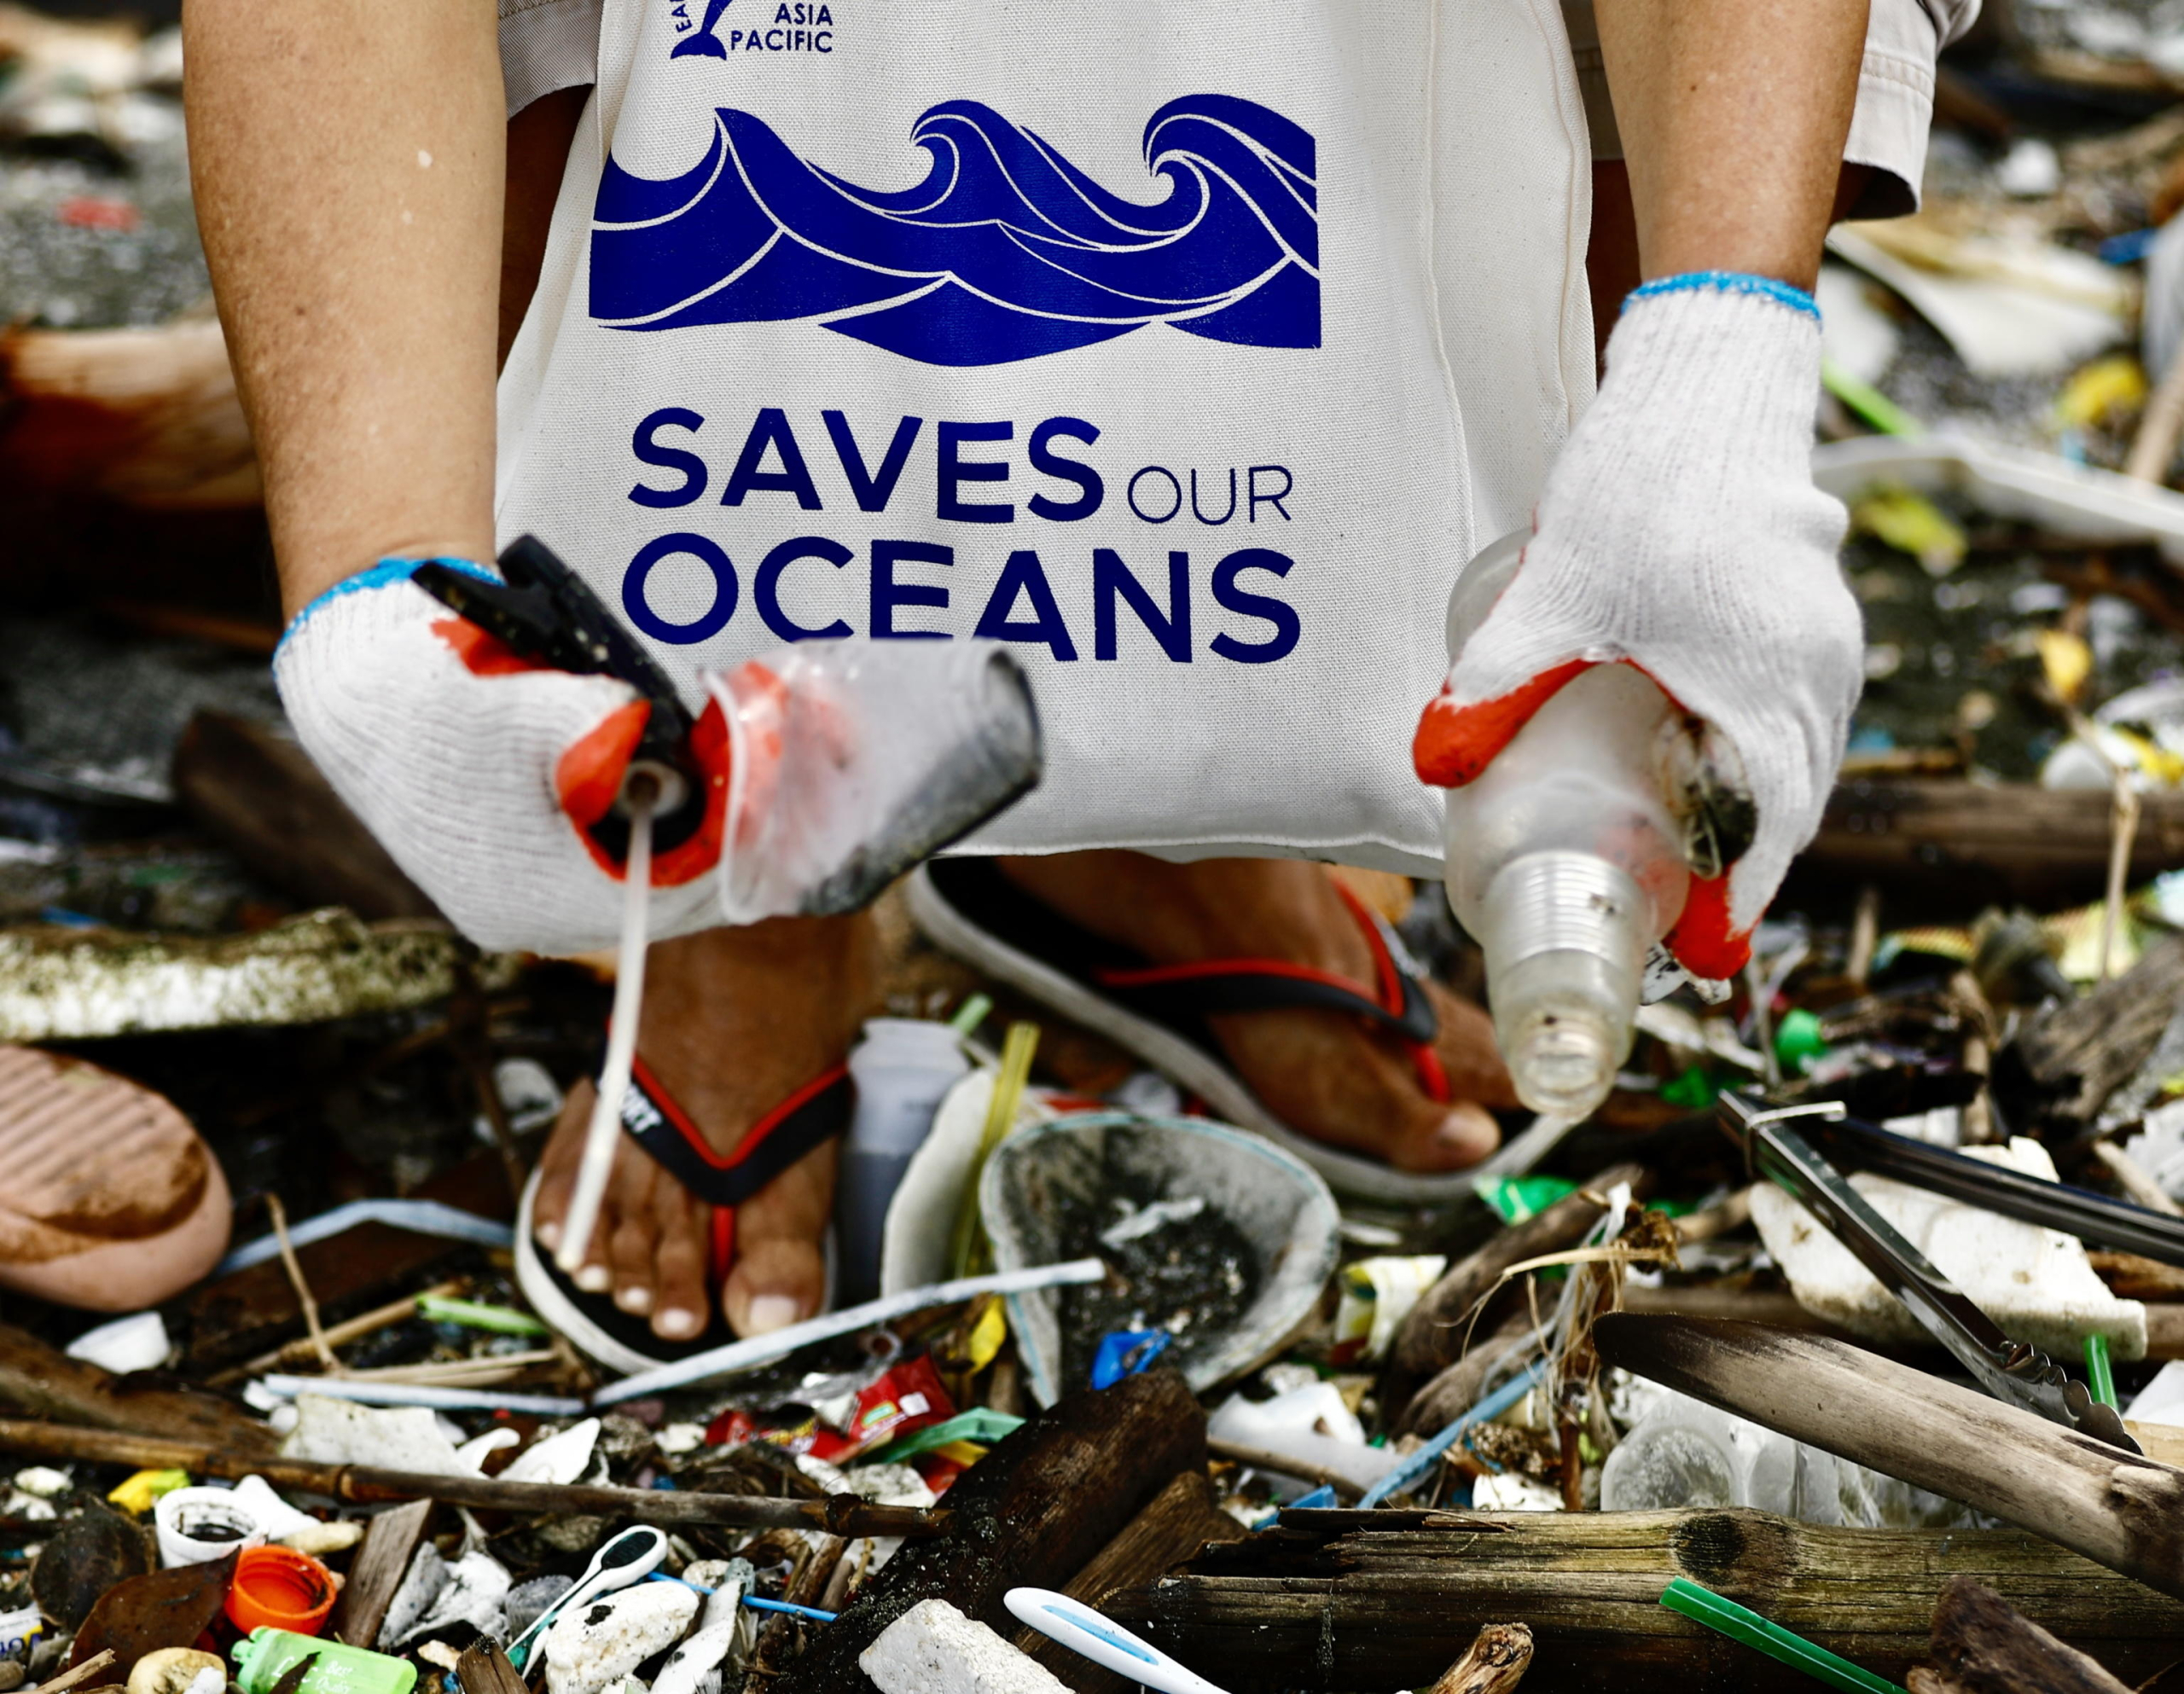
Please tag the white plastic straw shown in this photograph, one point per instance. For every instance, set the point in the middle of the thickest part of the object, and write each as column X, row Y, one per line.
column 419, row 1394
column 764, row 1349
column 604, row 1135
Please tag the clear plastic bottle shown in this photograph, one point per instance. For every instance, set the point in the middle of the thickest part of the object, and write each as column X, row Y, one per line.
column 1566, row 864
column 901, row 1068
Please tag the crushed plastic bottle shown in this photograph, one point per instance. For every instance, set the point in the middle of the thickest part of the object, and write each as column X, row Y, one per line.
column 1565, row 863
column 1680, row 1452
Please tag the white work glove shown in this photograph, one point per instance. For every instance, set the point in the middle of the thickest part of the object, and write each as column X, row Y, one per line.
column 468, row 764
column 1681, row 532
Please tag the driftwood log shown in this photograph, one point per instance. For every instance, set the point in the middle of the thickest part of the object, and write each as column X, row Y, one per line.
column 41, row 1379
column 1344, row 1607
column 2081, row 1052
column 1981, row 843
column 1983, row 1646
column 1179, row 1522
column 2122, row 1509
column 1033, row 1511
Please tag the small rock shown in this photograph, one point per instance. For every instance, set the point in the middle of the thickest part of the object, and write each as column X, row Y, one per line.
column 528, row 1602
column 174, row 1670
column 597, row 1643
column 12, row 1674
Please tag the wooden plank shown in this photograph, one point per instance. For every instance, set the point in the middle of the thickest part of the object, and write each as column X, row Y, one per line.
column 1178, row 1523
column 1033, row 1511
column 2082, row 1051
column 1364, row 1608
column 1984, row 1647
column 483, row 1669
column 381, row 1561
column 2122, row 1509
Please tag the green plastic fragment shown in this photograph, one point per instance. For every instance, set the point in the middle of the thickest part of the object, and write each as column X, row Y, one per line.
column 981, row 1423
column 1867, row 401
column 501, row 1319
column 1797, row 1039
column 1784, row 1646
column 1515, row 1199
column 970, row 1014
column 2097, row 1377
column 1694, row 1090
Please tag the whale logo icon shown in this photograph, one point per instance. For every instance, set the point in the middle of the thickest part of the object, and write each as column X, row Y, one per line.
column 705, row 44
column 1006, row 250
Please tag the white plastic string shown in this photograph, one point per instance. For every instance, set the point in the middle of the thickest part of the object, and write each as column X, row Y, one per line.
column 602, row 1139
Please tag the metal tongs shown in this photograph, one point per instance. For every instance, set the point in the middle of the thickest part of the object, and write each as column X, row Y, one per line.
column 1799, row 1149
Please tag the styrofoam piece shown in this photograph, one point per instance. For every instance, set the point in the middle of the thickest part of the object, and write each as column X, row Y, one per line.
column 336, row 1431
column 2162, row 1400
column 1279, row 1202
column 933, row 1649
column 590, row 1646
column 136, row 1342
column 702, row 1653
column 2076, row 502
column 2036, row 1283
column 2018, row 309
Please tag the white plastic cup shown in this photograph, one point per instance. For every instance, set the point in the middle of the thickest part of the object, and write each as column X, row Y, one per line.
column 901, row 1068
column 198, row 1525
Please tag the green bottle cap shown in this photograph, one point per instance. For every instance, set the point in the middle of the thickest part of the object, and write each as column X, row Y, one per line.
column 1797, row 1039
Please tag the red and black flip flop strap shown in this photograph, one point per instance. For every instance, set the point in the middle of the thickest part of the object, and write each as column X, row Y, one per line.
column 1173, row 993
column 815, row 1112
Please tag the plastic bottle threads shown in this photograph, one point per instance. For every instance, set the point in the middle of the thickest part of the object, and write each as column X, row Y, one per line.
column 279, row 1588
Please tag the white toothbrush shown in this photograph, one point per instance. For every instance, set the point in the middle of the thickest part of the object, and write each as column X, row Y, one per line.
column 1103, row 1641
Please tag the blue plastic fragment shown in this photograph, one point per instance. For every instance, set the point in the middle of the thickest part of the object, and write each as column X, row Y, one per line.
column 1127, row 1352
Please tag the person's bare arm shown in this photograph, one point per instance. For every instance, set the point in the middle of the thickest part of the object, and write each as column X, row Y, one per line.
column 347, row 160
column 1732, row 116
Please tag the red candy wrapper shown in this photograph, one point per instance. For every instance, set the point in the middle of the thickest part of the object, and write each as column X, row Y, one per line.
column 903, row 1397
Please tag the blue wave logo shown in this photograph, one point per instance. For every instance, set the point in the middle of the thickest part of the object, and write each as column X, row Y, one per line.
column 705, row 43
column 1005, row 252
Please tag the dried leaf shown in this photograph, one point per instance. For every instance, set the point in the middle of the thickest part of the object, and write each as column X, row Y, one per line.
column 166, row 1608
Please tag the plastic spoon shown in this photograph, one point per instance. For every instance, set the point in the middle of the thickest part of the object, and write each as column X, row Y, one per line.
column 632, row 1555
column 1103, row 1641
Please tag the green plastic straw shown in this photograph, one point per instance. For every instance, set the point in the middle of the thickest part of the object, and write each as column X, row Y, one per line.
column 1867, row 400
column 2097, row 1377
column 970, row 1014
column 439, row 1309
column 1784, row 1646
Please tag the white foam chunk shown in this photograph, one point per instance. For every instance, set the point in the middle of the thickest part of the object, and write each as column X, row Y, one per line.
column 2037, row 1284
column 933, row 1649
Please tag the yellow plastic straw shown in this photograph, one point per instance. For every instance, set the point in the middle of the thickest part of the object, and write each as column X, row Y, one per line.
column 970, row 1249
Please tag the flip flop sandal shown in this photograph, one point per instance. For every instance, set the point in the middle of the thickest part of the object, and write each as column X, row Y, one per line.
column 110, row 1200
column 968, row 908
column 624, row 1341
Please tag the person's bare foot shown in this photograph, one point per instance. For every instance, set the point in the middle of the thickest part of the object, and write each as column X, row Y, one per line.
column 735, row 1021
column 1333, row 1077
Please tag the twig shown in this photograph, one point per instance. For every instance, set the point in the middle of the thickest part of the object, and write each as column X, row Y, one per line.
column 1493, row 1664
column 2123, row 830
column 1258, row 1459
column 75, row 1678
column 339, row 1335
column 279, row 1213
column 2155, row 447
column 358, row 1484
column 2131, row 1177
column 481, row 1373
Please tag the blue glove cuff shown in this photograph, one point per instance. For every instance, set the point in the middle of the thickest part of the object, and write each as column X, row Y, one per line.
column 1727, row 283
column 384, row 574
